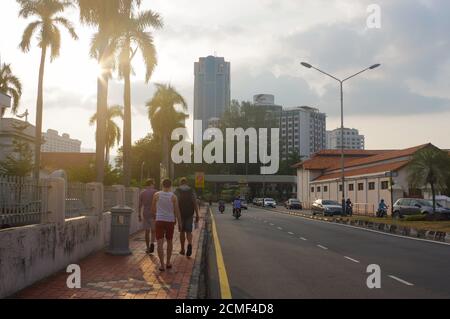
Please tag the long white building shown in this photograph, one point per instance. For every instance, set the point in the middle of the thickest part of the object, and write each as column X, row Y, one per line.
column 55, row 143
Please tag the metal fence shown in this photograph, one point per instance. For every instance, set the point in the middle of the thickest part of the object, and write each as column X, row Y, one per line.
column 109, row 198
column 364, row 209
column 129, row 200
column 78, row 202
column 20, row 201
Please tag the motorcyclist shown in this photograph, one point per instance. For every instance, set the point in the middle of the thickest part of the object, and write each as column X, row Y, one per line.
column 382, row 208
column 349, row 207
column 237, row 205
column 221, row 205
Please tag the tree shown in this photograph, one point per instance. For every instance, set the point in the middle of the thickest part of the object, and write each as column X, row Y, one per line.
column 113, row 133
column 430, row 166
column 133, row 36
column 164, row 116
column 102, row 15
column 49, row 37
column 10, row 85
column 19, row 162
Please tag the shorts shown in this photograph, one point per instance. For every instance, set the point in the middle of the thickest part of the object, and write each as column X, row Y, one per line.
column 164, row 230
column 149, row 222
column 187, row 224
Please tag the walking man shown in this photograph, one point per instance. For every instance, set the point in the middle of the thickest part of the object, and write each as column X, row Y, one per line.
column 145, row 214
column 167, row 213
column 187, row 201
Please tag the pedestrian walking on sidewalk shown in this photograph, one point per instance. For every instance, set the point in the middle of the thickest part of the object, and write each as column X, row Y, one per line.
column 167, row 213
column 145, row 214
column 187, row 201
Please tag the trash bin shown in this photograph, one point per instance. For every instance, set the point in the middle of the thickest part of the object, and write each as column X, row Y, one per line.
column 120, row 231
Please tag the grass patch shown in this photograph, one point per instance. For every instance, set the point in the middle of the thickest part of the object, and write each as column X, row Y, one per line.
column 416, row 222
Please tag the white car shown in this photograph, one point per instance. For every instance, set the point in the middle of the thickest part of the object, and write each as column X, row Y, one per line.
column 269, row 202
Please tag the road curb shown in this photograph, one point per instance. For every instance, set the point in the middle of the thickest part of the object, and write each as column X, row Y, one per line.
column 386, row 228
column 197, row 285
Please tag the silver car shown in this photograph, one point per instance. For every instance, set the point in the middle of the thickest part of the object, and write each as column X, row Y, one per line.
column 412, row 206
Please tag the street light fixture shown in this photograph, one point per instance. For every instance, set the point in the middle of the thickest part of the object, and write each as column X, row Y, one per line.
column 341, row 82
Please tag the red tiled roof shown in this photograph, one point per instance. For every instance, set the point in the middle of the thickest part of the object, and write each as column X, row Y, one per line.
column 381, row 157
column 364, row 171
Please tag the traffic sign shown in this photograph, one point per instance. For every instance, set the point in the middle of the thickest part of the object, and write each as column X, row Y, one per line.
column 200, row 180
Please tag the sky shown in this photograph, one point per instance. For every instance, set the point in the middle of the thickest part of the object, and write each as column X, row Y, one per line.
column 404, row 103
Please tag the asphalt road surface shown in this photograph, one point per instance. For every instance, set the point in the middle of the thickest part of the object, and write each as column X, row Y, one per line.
column 268, row 255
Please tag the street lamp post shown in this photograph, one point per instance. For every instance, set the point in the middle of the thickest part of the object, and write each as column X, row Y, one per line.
column 341, row 82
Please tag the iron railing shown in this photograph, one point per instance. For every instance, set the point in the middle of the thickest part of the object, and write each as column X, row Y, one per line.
column 20, row 201
column 78, row 202
column 129, row 200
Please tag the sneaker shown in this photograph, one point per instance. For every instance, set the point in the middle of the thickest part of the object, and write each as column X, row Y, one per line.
column 189, row 251
column 152, row 249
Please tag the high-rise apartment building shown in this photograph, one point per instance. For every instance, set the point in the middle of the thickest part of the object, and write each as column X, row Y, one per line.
column 55, row 143
column 352, row 139
column 212, row 92
column 303, row 131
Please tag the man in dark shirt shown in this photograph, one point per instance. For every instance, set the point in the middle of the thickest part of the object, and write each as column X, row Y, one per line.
column 187, row 201
column 145, row 215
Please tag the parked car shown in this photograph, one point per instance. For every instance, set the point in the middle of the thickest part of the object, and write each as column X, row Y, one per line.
column 269, row 202
column 326, row 207
column 259, row 202
column 244, row 204
column 411, row 206
column 293, row 203
column 255, row 201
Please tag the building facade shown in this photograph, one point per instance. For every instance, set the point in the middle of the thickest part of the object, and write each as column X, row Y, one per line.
column 367, row 177
column 303, row 131
column 352, row 139
column 212, row 90
column 13, row 130
column 5, row 102
column 55, row 143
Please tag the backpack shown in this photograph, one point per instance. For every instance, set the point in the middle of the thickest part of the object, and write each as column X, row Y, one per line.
column 185, row 201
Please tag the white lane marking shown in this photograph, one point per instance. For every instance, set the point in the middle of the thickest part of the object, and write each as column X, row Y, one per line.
column 351, row 259
column 290, row 233
column 303, row 238
column 272, row 224
column 323, row 247
column 280, row 228
column 401, row 280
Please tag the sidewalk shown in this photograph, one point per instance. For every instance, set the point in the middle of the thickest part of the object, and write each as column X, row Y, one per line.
column 132, row 277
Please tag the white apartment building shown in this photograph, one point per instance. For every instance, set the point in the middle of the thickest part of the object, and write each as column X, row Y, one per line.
column 55, row 143
column 303, row 130
column 352, row 139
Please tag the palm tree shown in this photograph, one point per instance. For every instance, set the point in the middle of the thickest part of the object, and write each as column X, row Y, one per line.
column 113, row 133
column 430, row 166
column 164, row 116
column 49, row 37
column 10, row 85
column 133, row 36
column 101, row 14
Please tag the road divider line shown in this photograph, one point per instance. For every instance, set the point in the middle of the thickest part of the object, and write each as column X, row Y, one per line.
column 225, row 290
column 401, row 281
column 303, row 238
column 291, row 233
column 323, row 247
column 280, row 228
column 351, row 259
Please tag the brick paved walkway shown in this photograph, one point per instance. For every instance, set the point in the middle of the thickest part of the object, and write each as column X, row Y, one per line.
column 133, row 277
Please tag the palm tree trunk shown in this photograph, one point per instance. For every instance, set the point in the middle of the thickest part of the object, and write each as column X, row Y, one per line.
column 127, row 129
column 107, row 149
column 433, row 194
column 165, row 155
column 39, row 110
column 102, row 97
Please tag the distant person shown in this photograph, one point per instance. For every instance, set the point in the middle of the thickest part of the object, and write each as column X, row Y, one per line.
column 187, row 201
column 382, row 209
column 145, row 214
column 167, row 213
column 237, row 205
column 349, row 207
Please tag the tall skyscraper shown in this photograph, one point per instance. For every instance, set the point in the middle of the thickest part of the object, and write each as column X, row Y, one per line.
column 212, row 94
column 55, row 143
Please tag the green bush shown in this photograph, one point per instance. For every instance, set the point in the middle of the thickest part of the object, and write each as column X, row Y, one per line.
column 415, row 218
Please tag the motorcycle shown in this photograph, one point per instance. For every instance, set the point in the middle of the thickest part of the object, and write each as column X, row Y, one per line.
column 237, row 213
column 382, row 213
column 222, row 209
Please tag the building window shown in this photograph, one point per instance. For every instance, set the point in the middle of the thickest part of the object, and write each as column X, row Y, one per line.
column 385, row 185
column 340, row 187
column 351, row 187
column 312, row 189
column 325, row 189
column 361, row 186
column 318, row 189
column 371, row 186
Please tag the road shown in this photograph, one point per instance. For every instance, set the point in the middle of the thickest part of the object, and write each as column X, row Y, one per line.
column 268, row 255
